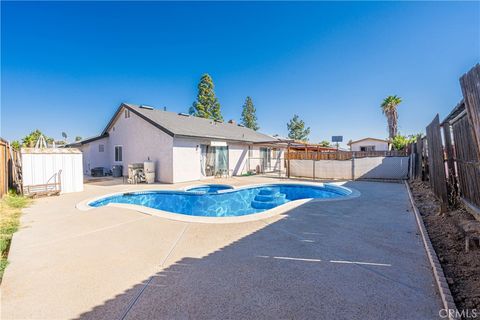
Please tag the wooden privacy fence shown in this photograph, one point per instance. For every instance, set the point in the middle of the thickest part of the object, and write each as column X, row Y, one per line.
column 10, row 168
column 452, row 165
column 340, row 155
column 436, row 162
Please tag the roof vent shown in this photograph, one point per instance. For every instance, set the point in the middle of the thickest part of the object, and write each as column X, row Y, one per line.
column 240, row 125
column 143, row 106
column 232, row 121
column 183, row 114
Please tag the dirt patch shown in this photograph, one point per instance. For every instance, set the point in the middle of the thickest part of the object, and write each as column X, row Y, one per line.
column 461, row 269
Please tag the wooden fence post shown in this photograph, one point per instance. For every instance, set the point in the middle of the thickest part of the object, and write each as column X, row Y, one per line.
column 288, row 160
column 436, row 162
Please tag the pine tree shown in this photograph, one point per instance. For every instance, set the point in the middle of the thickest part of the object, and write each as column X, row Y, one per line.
column 297, row 130
column 206, row 105
column 249, row 116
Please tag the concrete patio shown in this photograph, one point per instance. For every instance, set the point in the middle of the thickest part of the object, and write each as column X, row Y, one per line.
column 355, row 259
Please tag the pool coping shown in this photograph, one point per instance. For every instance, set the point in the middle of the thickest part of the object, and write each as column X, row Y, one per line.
column 83, row 205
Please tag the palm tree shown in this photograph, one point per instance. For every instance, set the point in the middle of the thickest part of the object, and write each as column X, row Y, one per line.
column 389, row 109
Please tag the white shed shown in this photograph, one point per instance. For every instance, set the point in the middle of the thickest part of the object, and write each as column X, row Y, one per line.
column 52, row 169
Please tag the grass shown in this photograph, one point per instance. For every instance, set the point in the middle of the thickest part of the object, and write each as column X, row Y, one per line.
column 10, row 209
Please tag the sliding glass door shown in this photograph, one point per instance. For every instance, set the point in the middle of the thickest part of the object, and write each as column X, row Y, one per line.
column 216, row 161
column 266, row 159
column 221, row 160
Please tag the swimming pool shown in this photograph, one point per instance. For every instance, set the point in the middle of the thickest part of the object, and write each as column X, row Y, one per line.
column 227, row 202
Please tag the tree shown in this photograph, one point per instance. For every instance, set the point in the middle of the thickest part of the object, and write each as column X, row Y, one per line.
column 15, row 144
column 389, row 109
column 297, row 130
column 31, row 139
column 400, row 142
column 325, row 143
column 206, row 105
column 78, row 138
column 249, row 116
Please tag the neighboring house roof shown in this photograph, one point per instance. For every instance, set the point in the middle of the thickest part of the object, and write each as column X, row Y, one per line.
column 455, row 113
column 376, row 139
column 87, row 140
column 183, row 125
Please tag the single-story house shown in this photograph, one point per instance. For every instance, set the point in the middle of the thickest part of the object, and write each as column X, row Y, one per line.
column 183, row 147
column 369, row 144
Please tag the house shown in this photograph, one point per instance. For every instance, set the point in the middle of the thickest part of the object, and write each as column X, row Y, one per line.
column 369, row 144
column 183, row 147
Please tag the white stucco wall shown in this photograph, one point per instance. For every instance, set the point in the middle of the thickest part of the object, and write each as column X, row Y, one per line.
column 92, row 157
column 141, row 141
column 379, row 145
column 186, row 159
column 238, row 158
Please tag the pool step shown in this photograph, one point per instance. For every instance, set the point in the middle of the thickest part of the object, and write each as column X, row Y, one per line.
column 268, row 199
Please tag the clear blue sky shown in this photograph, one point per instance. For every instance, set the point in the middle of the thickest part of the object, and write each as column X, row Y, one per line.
column 67, row 66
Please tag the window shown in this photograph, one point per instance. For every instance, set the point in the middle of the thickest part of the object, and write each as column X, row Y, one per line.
column 367, row 148
column 127, row 113
column 118, row 153
column 101, row 148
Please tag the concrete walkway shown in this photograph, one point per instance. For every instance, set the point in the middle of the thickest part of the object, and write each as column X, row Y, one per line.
column 355, row 259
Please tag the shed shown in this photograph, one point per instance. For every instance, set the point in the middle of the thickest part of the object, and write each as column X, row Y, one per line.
column 52, row 169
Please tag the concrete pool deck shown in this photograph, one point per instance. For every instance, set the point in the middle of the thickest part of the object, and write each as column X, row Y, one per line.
column 355, row 259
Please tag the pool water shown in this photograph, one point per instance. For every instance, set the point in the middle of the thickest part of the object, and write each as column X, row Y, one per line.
column 227, row 203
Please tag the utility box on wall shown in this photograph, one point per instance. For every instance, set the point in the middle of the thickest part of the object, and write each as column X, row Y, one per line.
column 46, row 170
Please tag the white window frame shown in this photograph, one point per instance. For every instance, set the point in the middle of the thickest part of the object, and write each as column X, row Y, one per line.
column 368, row 148
column 115, row 153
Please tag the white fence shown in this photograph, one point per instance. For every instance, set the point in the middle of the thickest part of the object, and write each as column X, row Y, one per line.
column 358, row 168
column 46, row 166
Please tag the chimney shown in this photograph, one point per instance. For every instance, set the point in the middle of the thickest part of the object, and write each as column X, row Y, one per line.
column 164, row 108
column 232, row 121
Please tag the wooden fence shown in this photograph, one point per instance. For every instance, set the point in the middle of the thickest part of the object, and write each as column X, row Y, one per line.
column 340, row 155
column 436, row 163
column 467, row 161
column 10, row 168
column 452, row 165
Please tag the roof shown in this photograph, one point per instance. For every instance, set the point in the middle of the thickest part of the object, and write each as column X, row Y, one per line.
column 459, row 108
column 183, row 125
column 87, row 140
column 381, row 140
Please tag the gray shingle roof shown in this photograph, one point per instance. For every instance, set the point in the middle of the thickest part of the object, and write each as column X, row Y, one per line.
column 189, row 126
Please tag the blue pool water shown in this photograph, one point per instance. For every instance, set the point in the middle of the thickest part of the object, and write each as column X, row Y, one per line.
column 227, row 203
